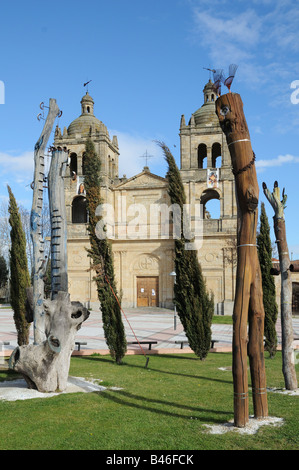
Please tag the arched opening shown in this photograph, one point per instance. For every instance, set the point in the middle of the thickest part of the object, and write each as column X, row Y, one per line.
column 202, row 156
column 79, row 210
column 210, row 199
column 73, row 164
column 216, row 155
column 88, row 109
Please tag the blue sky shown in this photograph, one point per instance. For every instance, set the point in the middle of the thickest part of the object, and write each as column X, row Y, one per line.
column 145, row 60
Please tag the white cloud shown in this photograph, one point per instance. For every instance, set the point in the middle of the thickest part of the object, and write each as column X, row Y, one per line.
column 231, row 37
column 278, row 161
column 260, row 39
column 20, row 165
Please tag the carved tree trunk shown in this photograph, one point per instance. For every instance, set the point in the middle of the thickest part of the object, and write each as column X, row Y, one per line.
column 45, row 364
column 248, row 303
column 287, row 335
column 39, row 264
column 59, row 277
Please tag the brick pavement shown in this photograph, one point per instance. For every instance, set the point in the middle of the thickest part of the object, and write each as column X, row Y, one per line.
column 152, row 324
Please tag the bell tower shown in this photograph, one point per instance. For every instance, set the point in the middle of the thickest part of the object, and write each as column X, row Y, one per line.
column 207, row 176
column 74, row 138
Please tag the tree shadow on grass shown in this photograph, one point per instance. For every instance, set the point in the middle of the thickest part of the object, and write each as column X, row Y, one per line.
column 127, row 399
column 197, row 377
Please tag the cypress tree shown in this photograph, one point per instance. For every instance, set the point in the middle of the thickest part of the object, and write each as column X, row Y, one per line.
column 270, row 305
column 194, row 305
column 102, row 259
column 19, row 274
column 3, row 272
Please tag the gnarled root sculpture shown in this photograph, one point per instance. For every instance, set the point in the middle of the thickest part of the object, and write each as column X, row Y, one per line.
column 45, row 366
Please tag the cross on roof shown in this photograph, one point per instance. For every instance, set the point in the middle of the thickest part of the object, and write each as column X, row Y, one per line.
column 146, row 156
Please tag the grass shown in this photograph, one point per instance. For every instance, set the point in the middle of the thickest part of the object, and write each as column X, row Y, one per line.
column 222, row 319
column 163, row 407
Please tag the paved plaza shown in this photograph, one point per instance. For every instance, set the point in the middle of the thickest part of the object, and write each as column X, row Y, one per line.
column 141, row 324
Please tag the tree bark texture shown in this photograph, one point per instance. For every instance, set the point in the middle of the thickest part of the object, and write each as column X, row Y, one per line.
column 39, row 263
column 287, row 334
column 248, row 305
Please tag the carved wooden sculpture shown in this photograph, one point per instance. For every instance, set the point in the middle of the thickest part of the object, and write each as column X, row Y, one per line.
column 45, row 364
column 287, row 335
column 59, row 277
column 248, row 303
column 39, row 263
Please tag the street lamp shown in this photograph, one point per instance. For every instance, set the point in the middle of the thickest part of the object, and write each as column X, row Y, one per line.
column 173, row 274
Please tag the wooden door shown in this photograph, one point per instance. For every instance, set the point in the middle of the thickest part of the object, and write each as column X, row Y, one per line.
column 148, row 291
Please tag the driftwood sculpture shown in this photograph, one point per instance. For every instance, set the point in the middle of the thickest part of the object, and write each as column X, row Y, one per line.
column 287, row 335
column 39, row 262
column 45, row 364
column 248, row 305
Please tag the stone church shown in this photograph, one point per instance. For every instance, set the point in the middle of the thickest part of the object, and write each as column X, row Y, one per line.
column 139, row 225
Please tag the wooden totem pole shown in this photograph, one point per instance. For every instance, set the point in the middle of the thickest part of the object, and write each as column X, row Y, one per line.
column 248, row 305
column 287, row 335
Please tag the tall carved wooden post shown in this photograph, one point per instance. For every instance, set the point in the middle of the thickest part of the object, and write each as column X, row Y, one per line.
column 59, row 277
column 248, row 305
column 39, row 264
column 287, row 335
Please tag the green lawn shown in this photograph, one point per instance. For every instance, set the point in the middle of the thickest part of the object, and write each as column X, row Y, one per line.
column 163, row 407
column 222, row 319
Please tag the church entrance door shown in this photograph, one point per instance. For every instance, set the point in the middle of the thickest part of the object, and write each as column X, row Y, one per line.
column 147, row 291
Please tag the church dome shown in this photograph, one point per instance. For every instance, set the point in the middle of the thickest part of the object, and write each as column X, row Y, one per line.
column 206, row 115
column 87, row 122
column 84, row 123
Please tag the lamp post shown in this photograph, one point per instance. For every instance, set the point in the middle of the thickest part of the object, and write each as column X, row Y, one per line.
column 173, row 273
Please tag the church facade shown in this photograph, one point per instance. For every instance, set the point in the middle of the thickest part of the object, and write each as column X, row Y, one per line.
column 138, row 211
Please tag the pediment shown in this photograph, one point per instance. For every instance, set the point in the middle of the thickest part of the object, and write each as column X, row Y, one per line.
column 143, row 180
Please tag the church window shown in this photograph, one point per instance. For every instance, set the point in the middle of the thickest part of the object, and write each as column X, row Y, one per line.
column 73, row 164
column 202, row 155
column 79, row 210
column 88, row 109
column 216, row 154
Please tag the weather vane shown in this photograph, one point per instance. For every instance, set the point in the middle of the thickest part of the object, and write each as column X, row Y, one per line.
column 86, row 84
column 210, row 70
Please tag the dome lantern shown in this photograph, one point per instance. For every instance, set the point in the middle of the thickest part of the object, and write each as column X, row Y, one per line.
column 87, row 104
